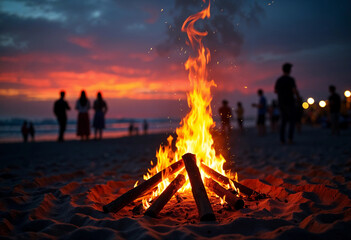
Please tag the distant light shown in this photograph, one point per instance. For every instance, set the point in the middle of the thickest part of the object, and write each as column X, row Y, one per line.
column 310, row 101
column 305, row 105
column 322, row 104
column 347, row 93
column 245, row 87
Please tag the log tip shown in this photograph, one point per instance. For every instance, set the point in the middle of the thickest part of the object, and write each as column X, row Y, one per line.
column 105, row 209
column 239, row 204
column 208, row 217
column 189, row 156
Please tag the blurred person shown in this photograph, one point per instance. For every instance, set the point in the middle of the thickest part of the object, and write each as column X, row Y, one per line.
column 274, row 115
column 261, row 113
column 31, row 131
column 334, row 110
column 60, row 109
column 83, row 123
column 240, row 116
column 145, row 126
column 226, row 114
column 286, row 89
column 24, row 131
column 131, row 128
column 100, row 108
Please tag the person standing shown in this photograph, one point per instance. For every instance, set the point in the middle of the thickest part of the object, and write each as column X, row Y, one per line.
column 226, row 114
column 24, row 131
column 240, row 116
column 286, row 89
column 145, row 126
column 83, row 123
column 334, row 109
column 100, row 108
column 60, row 108
column 262, row 110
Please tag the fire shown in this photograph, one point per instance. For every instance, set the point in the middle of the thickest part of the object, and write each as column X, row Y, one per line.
column 194, row 133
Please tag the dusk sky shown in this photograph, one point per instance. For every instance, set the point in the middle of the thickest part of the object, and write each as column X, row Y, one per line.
column 134, row 52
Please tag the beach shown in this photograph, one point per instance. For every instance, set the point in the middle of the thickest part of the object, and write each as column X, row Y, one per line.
column 52, row 190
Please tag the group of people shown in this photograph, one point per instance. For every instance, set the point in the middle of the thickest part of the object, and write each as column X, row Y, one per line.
column 288, row 109
column 225, row 112
column 27, row 130
column 134, row 130
column 83, row 106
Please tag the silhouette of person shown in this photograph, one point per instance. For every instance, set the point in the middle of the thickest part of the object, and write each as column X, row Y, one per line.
column 240, row 115
column 286, row 88
column 100, row 108
column 274, row 115
column 31, row 131
column 145, row 126
column 261, row 113
column 60, row 108
column 334, row 109
column 131, row 128
column 226, row 114
column 83, row 123
column 24, row 131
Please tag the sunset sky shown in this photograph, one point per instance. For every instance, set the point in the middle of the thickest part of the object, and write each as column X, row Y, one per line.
column 134, row 52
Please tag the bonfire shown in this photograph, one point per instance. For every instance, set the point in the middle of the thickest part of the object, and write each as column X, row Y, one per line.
column 194, row 166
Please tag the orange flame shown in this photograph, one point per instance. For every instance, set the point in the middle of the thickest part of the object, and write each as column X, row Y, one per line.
column 194, row 133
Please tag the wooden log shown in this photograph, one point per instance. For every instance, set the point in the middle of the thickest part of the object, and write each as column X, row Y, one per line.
column 197, row 187
column 139, row 190
column 223, row 179
column 166, row 195
column 229, row 197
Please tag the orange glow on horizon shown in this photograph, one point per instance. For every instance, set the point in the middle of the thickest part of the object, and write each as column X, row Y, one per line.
column 111, row 85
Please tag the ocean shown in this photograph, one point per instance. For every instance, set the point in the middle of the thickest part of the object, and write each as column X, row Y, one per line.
column 47, row 129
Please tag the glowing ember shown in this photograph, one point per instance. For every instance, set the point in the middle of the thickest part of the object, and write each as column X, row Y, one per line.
column 194, row 133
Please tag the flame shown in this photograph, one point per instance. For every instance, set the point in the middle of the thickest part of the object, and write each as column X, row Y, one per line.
column 194, row 133
column 222, row 200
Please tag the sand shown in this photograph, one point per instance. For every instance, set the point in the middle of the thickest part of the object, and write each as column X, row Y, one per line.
column 52, row 190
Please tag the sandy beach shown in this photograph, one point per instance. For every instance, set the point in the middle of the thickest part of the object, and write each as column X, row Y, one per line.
column 53, row 190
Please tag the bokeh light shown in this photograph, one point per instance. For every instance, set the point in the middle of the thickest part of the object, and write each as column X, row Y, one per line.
column 310, row 101
column 305, row 105
column 347, row 93
column 322, row 104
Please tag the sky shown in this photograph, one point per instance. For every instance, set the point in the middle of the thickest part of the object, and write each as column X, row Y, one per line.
column 134, row 52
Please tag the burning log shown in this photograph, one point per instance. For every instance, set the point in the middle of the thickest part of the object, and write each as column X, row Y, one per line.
column 222, row 179
column 139, row 190
column 166, row 195
column 197, row 187
column 230, row 198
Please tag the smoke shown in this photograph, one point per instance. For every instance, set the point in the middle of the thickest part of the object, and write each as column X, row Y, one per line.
column 225, row 39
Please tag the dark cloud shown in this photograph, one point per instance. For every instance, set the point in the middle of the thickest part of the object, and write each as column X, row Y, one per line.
column 292, row 26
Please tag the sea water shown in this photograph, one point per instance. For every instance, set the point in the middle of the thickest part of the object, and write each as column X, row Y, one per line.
column 47, row 129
